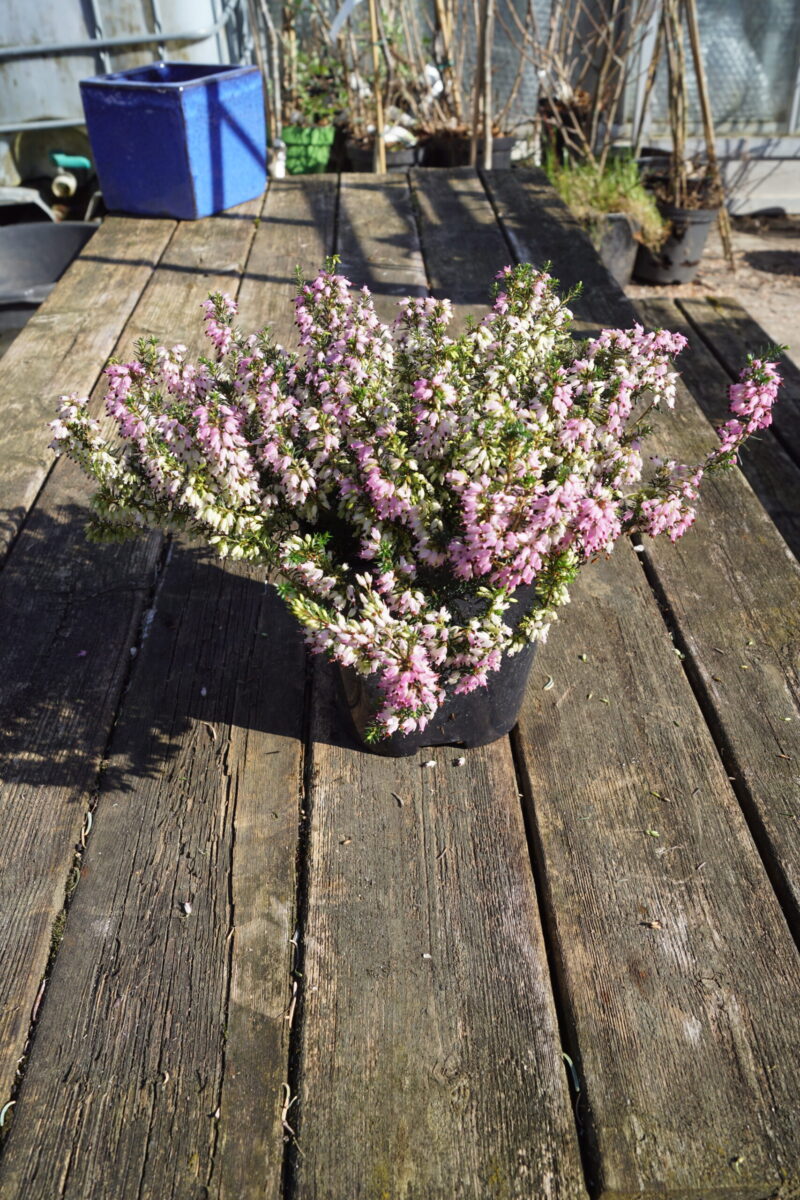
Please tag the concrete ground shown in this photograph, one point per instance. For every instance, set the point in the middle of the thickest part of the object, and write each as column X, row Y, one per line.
column 766, row 280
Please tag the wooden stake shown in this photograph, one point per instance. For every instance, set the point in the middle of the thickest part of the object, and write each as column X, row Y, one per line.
column 380, row 144
column 478, row 82
column 488, row 43
column 708, row 129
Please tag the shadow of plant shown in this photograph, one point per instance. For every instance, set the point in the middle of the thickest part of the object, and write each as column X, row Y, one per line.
column 114, row 656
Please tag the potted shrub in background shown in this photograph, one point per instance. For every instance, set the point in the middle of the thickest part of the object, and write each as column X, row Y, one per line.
column 426, row 500
column 690, row 196
column 613, row 205
column 314, row 97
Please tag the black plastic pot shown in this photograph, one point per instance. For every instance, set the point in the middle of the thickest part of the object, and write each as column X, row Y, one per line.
column 452, row 150
column 614, row 240
column 679, row 257
column 361, row 157
column 476, row 719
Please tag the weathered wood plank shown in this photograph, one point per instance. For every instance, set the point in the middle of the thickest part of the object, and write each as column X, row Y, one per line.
column 682, row 980
column 63, row 349
column 766, row 466
column 729, row 331
column 297, row 230
column 74, row 610
column 691, row 965
column 731, row 588
column 129, row 1086
column 425, row 985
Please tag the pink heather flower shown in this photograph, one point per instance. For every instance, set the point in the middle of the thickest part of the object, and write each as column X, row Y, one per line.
column 382, row 465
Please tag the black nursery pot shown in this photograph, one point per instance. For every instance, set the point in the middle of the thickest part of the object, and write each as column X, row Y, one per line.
column 452, row 150
column 360, row 157
column 679, row 257
column 474, row 719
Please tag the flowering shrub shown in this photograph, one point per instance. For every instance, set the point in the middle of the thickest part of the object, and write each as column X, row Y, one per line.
column 390, row 474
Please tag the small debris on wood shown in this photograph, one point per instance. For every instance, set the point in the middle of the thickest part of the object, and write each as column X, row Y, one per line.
column 653, row 833
column 718, row 651
column 87, row 827
column 288, row 1101
column 427, row 956
column 604, row 700
column 187, row 908
column 5, row 1110
column 203, row 691
column 165, row 1079
column 133, row 652
column 431, row 762
column 550, row 683
column 663, row 799
column 700, row 866
column 82, row 654
column 459, row 762
column 399, row 799
column 441, row 853
column 289, row 1016
column 651, row 924
column 212, row 731
column 583, row 657
column 215, row 1114
column 345, row 841
column 788, row 757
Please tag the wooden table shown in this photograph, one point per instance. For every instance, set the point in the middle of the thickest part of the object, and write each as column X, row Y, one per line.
column 241, row 958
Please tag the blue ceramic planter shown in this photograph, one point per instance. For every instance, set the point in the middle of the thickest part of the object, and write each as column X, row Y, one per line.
column 177, row 139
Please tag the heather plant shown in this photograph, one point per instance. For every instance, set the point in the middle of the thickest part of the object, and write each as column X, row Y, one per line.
column 401, row 482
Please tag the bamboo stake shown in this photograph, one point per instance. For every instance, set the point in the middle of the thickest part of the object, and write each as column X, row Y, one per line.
column 380, row 144
column 488, row 44
column 708, row 129
column 478, row 83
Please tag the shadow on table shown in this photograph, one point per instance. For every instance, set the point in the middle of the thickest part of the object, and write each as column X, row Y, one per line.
column 775, row 262
column 118, row 658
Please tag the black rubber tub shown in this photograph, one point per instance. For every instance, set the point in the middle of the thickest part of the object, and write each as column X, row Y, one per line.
column 34, row 256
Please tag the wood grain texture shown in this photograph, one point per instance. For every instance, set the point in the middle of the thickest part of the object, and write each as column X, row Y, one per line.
column 193, row 268
column 682, row 981
column 63, row 349
column 711, row 1046
column 430, row 1062
column 296, row 229
column 130, row 1086
column 730, row 587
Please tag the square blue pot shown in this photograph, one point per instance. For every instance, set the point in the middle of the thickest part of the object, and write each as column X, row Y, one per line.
column 177, row 139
